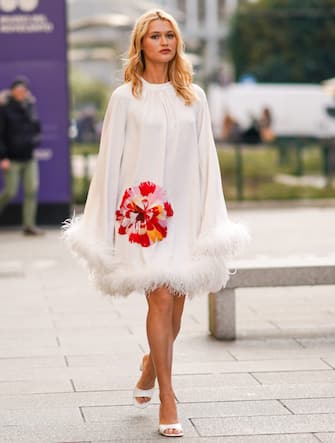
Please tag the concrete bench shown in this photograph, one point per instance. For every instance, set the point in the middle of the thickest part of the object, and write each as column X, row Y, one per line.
column 222, row 312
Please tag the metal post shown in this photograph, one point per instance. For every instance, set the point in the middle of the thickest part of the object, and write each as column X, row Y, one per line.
column 239, row 172
column 325, row 159
column 282, row 150
column 299, row 170
column 86, row 178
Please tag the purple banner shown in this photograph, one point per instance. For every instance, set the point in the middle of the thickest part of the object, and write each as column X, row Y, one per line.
column 33, row 44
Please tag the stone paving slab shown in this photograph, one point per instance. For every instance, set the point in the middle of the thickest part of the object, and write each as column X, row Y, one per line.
column 310, row 406
column 108, row 359
column 264, row 392
column 204, row 380
column 326, row 437
column 10, row 337
column 265, row 424
column 64, row 322
column 66, row 399
column 23, row 322
column 265, row 343
column 35, row 386
column 317, row 342
column 11, row 269
column 65, row 373
column 24, row 364
column 30, row 352
column 121, row 431
column 96, row 337
column 189, row 410
column 26, row 346
column 84, row 352
column 273, row 354
column 298, row 331
column 251, row 366
column 38, row 416
column 330, row 361
column 296, row 377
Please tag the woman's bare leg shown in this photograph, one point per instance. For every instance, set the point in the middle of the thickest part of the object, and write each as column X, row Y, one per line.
column 148, row 376
column 163, row 324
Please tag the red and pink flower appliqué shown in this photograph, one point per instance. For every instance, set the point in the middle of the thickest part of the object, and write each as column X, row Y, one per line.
column 143, row 214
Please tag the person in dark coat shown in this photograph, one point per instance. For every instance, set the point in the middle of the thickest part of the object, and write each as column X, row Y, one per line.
column 20, row 133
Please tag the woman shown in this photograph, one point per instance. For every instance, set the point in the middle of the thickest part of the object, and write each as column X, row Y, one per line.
column 155, row 219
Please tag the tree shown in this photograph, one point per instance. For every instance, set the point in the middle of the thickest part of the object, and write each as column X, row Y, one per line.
column 284, row 40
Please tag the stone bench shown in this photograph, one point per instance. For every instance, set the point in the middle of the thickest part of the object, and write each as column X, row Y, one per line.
column 222, row 312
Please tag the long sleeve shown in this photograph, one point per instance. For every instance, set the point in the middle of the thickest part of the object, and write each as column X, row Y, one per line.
column 91, row 236
column 102, row 196
column 218, row 235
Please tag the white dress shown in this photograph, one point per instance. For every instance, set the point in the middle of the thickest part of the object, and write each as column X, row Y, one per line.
column 157, row 138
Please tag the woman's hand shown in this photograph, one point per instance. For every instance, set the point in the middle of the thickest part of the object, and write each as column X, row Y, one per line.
column 5, row 164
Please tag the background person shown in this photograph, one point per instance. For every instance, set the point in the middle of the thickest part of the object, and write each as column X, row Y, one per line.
column 20, row 133
column 155, row 219
column 265, row 125
column 231, row 130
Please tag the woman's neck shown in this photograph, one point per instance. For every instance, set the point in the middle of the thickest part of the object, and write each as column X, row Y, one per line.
column 156, row 73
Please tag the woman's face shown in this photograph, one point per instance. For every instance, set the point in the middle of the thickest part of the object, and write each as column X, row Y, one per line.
column 159, row 44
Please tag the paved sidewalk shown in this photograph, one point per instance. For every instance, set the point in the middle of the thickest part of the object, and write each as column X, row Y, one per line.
column 69, row 357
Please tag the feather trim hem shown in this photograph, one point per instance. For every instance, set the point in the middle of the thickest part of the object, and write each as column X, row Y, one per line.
column 205, row 271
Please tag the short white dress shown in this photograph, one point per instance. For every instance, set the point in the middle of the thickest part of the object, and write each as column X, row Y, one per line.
column 155, row 214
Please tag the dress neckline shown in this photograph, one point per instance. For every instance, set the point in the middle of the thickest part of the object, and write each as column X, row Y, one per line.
column 155, row 85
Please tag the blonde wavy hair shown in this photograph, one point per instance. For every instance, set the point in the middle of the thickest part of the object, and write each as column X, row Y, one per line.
column 179, row 70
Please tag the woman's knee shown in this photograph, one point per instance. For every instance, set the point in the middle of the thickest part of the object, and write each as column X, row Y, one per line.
column 161, row 300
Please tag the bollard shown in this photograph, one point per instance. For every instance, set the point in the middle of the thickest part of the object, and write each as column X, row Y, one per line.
column 282, row 152
column 222, row 313
column 86, row 175
column 299, row 169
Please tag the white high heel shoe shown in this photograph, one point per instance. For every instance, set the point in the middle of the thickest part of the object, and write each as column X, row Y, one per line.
column 176, row 426
column 142, row 393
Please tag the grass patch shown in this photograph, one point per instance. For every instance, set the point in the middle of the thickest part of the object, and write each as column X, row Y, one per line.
column 262, row 164
column 84, row 149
